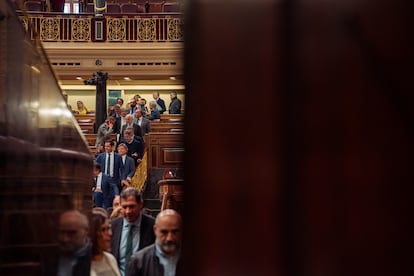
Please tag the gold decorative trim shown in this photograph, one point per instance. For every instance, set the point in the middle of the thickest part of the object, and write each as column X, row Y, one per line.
column 49, row 28
column 146, row 29
column 116, row 30
column 81, row 29
column 174, row 31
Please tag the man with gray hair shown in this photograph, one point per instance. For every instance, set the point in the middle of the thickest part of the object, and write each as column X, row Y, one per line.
column 154, row 113
column 130, row 123
column 160, row 102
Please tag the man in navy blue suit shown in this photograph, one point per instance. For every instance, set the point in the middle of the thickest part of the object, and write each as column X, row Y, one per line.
column 134, row 143
column 160, row 102
column 103, row 193
column 127, row 170
column 110, row 162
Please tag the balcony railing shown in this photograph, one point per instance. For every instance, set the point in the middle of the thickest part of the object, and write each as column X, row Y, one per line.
column 52, row 27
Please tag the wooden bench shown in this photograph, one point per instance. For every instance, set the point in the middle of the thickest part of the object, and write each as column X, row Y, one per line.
column 167, row 127
column 85, row 117
column 172, row 118
column 86, row 123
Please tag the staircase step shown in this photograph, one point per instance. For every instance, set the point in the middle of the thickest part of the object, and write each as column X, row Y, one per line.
column 152, row 203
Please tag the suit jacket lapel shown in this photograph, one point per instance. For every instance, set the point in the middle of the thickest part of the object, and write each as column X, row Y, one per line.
column 117, row 228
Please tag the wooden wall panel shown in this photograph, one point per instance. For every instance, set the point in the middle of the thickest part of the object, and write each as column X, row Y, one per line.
column 166, row 150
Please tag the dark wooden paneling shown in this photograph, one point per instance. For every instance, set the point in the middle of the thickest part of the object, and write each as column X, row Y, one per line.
column 165, row 149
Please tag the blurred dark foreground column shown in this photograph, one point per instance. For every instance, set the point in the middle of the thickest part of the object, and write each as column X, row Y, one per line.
column 45, row 164
column 299, row 137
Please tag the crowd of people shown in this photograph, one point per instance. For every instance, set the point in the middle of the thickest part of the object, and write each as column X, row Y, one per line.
column 135, row 115
column 116, row 160
column 117, row 237
column 131, row 243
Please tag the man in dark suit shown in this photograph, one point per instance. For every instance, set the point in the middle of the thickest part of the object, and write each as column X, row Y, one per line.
column 134, row 143
column 103, row 193
column 134, row 224
column 175, row 105
column 130, row 123
column 160, row 102
column 116, row 113
column 127, row 170
column 110, row 162
column 155, row 113
column 105, row 130
column 75, row 253
column 162, row 257
column 132, row 106
column 143, row 122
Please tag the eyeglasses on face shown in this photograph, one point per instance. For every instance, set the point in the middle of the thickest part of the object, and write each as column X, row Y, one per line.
column 106, row 228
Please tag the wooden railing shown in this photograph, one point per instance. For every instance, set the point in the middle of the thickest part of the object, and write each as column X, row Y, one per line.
column 86, row 123
column 53, row 27
column 141, row 173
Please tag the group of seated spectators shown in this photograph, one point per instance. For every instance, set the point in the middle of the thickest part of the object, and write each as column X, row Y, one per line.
column 131, row 243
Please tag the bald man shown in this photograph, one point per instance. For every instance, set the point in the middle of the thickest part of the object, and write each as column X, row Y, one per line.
column 75, row 247
column 160, row 258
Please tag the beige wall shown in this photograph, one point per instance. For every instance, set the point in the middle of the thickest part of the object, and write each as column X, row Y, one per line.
column 88, row 96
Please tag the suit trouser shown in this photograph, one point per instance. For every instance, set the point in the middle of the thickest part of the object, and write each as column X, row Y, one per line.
column 115, row 185
column 98, row 199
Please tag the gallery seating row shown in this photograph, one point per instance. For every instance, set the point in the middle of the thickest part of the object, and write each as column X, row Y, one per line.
column 116, row 8
column 32, row 5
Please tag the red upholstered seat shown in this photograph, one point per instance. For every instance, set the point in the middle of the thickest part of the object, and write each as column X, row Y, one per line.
column 113, row 8
column 33, row 5
column 155, row 5
column 123, row 1
column 132, row 8
column 142, row 2
column 90, row 8
column 171, row 7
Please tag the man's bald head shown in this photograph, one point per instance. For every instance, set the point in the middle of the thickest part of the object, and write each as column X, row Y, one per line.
column 73, row 231
column 168, row 231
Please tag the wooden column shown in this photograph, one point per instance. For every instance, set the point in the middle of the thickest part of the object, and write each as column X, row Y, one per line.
column 299, row 138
